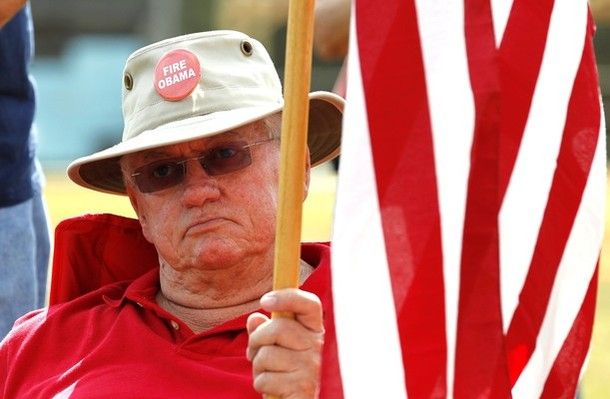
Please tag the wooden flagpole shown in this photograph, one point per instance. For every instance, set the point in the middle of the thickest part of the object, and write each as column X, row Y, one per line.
column 297, row 76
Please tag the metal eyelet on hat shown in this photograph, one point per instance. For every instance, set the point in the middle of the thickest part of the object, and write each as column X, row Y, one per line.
column 128, row 81
column 246, row 47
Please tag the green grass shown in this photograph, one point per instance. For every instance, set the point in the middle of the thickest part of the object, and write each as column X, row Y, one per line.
column 65, row 200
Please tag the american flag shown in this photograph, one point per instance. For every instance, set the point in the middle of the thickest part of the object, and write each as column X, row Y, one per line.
column 469, row 214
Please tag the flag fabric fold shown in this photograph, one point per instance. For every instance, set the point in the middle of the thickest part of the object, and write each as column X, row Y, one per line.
column 469, row 212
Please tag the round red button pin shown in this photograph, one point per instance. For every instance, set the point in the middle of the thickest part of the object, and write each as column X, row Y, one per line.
column 177, row 74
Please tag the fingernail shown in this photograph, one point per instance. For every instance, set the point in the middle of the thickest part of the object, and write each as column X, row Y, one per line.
column 269, row 299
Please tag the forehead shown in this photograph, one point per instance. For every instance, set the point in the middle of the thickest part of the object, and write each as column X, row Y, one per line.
column 250, row 132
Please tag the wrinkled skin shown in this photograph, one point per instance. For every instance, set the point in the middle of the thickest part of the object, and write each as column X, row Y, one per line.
column 215, row 239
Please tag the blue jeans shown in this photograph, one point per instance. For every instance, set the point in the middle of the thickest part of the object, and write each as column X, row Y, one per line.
column 24, row 259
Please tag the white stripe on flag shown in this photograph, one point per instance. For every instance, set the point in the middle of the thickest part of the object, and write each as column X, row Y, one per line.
column 530, row 183
column 365, row 318
column 573, row 277
column 451, row 105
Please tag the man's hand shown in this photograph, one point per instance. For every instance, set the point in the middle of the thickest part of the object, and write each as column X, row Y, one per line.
column 286, row 354
column 8, row 8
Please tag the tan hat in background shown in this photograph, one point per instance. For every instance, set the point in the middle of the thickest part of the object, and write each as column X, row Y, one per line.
column 196, row 86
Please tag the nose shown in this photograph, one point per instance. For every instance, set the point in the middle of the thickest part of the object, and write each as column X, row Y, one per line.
column 198, row 186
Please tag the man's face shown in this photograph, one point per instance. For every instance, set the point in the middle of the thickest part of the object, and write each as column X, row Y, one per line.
column 210, row 222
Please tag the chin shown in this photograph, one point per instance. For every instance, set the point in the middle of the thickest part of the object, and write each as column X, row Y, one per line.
column 218, row 253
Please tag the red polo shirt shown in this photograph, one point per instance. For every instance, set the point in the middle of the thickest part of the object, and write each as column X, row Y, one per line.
column 116, row 342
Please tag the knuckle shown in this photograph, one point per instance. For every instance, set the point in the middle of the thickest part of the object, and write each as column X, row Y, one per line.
column 315, row 363
column 266, row 334
column 253, row 346
column 318, row 343
column 306, row 386
column 264, row 383
column 250, row 353
column 260, row 383
column 261, row 359
column 314, row 308
column 310, row 299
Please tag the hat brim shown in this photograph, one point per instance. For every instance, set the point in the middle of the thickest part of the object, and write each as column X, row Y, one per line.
column 102, row 172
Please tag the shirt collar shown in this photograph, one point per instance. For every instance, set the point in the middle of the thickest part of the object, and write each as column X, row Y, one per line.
column 143, row 290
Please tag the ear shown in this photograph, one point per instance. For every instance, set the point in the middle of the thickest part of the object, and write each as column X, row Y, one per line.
column 307, row 174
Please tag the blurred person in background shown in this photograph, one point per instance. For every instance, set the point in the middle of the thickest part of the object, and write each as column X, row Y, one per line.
column 331, row 31
column 199, row 161
column 24, row 233
column 331, row 40
column 331, row 35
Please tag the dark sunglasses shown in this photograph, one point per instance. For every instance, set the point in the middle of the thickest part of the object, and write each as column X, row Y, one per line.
column 224, row 158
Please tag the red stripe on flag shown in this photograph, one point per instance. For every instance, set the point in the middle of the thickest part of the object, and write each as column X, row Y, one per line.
column 573, row 165
column 399, row 123
column 479, row 346
column 331, row 385
column 563, row 378
column 521, row 52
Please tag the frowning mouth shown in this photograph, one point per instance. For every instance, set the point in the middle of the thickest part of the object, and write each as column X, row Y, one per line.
column 206, row 225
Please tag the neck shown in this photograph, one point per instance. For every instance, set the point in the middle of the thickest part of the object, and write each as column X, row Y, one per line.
column 204, row 299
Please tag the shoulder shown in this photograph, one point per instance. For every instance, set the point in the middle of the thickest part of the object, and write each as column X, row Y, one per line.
column 25, row 323
column 40, row 339
column 64, row 315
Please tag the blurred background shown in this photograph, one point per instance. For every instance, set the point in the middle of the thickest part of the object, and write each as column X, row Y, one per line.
column 81, row 46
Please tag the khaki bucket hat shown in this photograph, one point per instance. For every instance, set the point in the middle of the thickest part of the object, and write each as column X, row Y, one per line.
column 196, row 86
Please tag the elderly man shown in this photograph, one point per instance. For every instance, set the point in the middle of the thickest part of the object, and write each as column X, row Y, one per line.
column 199, row 161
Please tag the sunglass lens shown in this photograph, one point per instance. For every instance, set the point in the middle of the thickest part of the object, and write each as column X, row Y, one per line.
column 159, row 175
column 226, row 158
